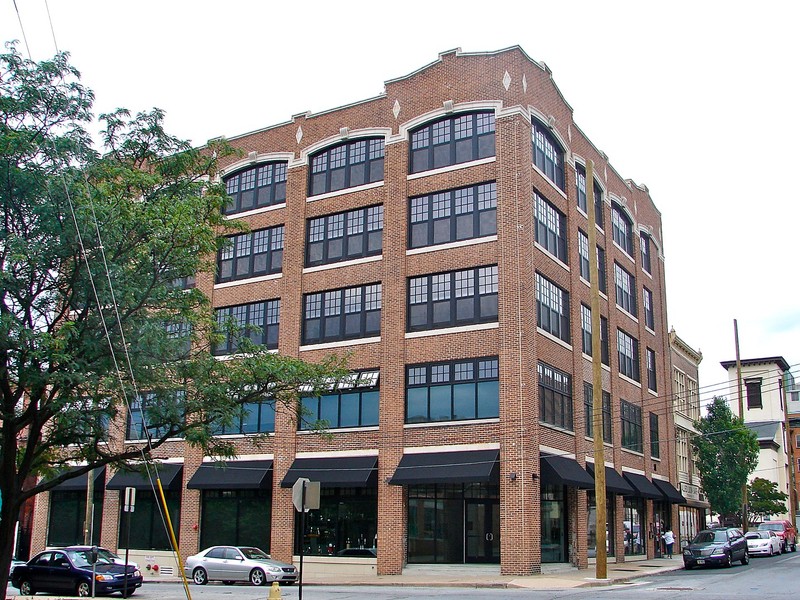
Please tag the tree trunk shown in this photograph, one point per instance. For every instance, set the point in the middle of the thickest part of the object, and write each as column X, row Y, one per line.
column 9, row 517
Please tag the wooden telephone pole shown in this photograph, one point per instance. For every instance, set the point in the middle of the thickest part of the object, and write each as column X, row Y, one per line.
column 741, row 416
column 601, row 562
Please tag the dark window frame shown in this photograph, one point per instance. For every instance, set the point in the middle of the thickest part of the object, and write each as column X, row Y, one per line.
column 364, row 383
column 258, row 321
column 256, row 187
column 580, row 187
column 344, row 159
column 452, row 140
column 555, row 397
column 650, row 362
column 649, row 311
column 588, row 406
column 622, row 229
column 625, row 290
column 358, row 234
column 439, row 383
column 443, row 217
column 551, row 233
column 583, row 258
column 444, row 294
column 548, row 317
column 753, row 392
column 136, row 427
column 628, row 355
column 548, row 154
column 240, row 254
column 644, row 243
column 586, row 334
column 359, row 305
column 655, row 446
column 251, row 418
column 631, row 434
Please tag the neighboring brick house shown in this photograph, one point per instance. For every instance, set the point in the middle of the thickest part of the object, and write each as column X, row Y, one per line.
column 438, row 234
column 793, row 407
column 686, row 404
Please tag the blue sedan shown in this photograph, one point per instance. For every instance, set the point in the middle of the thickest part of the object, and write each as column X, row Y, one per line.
column 71, row 572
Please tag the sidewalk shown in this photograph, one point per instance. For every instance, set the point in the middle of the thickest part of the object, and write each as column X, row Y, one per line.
column 553, row 577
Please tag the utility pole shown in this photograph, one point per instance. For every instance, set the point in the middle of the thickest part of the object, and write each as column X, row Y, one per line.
column 601, row 562
column 741, row 416
column 88, row 530
column 787, row 440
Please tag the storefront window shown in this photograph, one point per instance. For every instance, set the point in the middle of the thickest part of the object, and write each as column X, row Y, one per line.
column 634, row 524
column 67, row 517
column 147, row 530
column 238, row 517
column 345, row 524
column 554, row 524
column 591, row 527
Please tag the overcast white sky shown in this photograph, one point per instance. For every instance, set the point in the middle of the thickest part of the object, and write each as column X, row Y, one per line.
column 697, row 100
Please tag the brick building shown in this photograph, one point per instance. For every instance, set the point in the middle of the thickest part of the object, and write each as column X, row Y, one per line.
column 437, row 233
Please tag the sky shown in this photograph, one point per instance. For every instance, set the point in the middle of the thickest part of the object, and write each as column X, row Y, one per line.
column 697, row 100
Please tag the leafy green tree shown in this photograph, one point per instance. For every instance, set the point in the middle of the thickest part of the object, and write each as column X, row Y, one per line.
column 92, row 246
column 727, row 453
column 764, row 500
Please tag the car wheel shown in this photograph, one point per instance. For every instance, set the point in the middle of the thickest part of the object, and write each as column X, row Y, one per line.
column 794, row 546
column 130, row 593
column 257, row 577
column 83, row 589
column 688, row 567
column 199, row 576
column 728, row 561
column 745, row 558
column 25, row 588
column 771, row 551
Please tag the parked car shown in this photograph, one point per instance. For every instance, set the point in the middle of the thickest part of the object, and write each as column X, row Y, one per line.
column 15, row 563
column 104, row 553
column 716, row 547
column 237, row 563
column 784, row 530
column 71, row 572
column 763, row 542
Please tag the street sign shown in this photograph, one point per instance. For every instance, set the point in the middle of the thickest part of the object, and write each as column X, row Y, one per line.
column 305, row 494
column 130, row 499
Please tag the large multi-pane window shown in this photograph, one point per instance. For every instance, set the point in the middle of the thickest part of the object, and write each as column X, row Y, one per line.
column 353, row 402
column 250, row 417
column 347, row 165
column 453, row 215
column 256, row 187
column 344, row 236
column 649, row 315
column 628, row 354
column 547, row 153
column 453, row 391
column 144, row 528
column 583, row 254
column 68, row 516
column 631, row 420
column 235, row 517
column 452, row 140
column 625, row 286
column 622, row 229
column 682, row 450
column 588, row 405
column 257, row 321
column 655, row 447
column 586, row 334
column 651, row 370
column 580, row 183
column 347, row 518
column 251, row 254
column 555, row 396
column 644, row 242
column 151, row 417
column 551, row 228
column 343, row 314
column 453, row 298
column 552, row 308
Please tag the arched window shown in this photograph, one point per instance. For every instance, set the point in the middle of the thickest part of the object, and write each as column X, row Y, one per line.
column 346, row 165
column 452, row 140
column 622, row 229
column 580, row 183
column 256, row 187
column 547, row 153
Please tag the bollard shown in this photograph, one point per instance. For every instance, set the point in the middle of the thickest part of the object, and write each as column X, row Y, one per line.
column 274, row 591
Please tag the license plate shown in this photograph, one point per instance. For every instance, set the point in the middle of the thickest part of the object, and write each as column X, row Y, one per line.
column 701, row 561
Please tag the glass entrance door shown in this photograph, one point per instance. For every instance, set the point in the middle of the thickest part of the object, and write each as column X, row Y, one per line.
column 482, row 531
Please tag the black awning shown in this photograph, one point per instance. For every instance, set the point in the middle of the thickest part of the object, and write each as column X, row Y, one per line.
column 80, row 483
column 614, row 481
column 169, row 473
column 560, row 470
column 233, row 475
column 467, row 466
column 670, row 493
column 335, row 471
column 642, row 486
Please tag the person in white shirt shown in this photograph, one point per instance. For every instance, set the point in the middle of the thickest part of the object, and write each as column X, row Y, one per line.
column 669, row 540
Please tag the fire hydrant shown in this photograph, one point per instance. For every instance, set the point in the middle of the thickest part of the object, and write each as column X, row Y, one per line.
column 274, row 591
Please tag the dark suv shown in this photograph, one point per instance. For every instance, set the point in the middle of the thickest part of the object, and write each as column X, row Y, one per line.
column 716, row 547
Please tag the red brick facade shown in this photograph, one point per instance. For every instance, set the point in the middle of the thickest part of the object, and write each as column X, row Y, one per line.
column 515, row 88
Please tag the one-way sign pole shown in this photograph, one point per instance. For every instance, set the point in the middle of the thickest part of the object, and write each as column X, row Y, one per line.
column 305, row 496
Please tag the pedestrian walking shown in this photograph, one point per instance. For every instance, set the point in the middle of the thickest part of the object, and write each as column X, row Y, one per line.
column 669, row 540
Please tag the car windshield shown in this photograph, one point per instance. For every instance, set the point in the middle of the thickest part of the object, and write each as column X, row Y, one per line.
column 254, row 553
column 771, row 526
column 107, row 554
column 755, row 535
column 80, row 558
column 705, row 537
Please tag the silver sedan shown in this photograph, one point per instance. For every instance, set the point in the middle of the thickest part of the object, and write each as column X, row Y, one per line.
column 230, row 564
